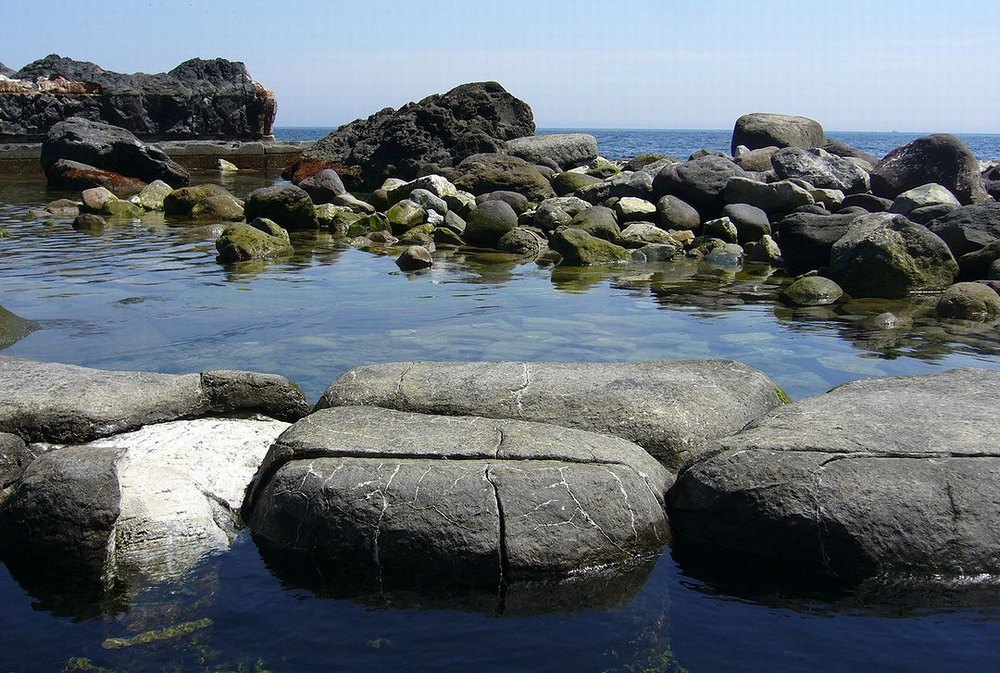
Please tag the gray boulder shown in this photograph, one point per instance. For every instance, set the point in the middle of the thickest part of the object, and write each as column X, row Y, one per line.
column 569, row 182
column 889, row 256
column 922, row 197
column 14, row 457
column 109, row 148
column 483, row 173
column 969, row 228
column 676, row 214
column 884, row 477
column 807, row 239
column 488, row 222
column 566, row 150
column 415, row 257
column 638, row 184
column 813, row 291
column 519, row 202
column 941, row 158
column 751, row 222
column 523, row 242
column 820, row 169
column 598, row 221
column 668, row 408
column 699, row 182
column 559, row 211
column 761, row 129
column 870, row 202
column 638, row 234
column 288, row 205
column 969, row 301
column 775, row 198
column 406, row 496
column 197, row 200
column 323, row 186
column 35, row 404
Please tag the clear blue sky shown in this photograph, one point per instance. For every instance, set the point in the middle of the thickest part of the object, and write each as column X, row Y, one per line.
column 906, row 65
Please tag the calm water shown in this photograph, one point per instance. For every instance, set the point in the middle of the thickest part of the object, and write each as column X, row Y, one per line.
column 681, row 143
column 149, row 295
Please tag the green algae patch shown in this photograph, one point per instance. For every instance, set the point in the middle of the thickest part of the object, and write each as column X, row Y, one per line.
column 159, row 635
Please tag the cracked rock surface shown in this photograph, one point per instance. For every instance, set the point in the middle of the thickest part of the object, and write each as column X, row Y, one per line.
column 51, row 402
column 398, row 495
column 880, row 478
column 670, row 408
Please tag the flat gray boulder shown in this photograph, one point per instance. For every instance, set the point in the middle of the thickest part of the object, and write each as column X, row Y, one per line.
column 401, row 496
column 667, row 407
column 51, row 402
column 764, row 129
column 877, row 478
column 567, row 150
column 136, row 507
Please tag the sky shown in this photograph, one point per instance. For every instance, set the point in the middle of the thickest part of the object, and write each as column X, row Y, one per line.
column 853, row 65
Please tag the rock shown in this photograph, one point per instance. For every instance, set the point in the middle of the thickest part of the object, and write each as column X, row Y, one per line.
column 336, row 218
column 699, row 182
column 445, row 236
column 922, row 196
column 597, row 221
column 757, row 161
column 621, row 185
column 670, row 408
column 870, row 202
column 63, row 208
column 676, row 214
column 89, row 222
column 969, row 301
column 721, row 228
column 940, row 158
column 813, row 291
column 806, row 239
column 354, row 203
column 442, row 501
column 519, row 202
column 643, row 162
column 152, row 195
column 261, row 239
column 482, row 173
column 228, row 166
column 883, row 477
column 969, row 228
column 991, row 181
column 95, row 198
column 559, row 211
column 142, row 507
column 414, row 257
column 454, row 222
column 219, row 207
column 820, row 169
column 35, row 405
column 764, row 251
column 323, row 186
column 927, row 214
column 199, row 99
column 842, row 149
column 367, row 224
column 73, row 175
column 419, row 235
column 405, row 215
column 13, row 328
column 888, row 256
column 761, row 129
column 982, row 263
column 751, row 222
column 727, row 256
column 14, row 457
column 578, row 248
column 567, row 150
column 775, row 198
column 638, row 234
column 632, row 209
column 288, row 205
column 109, row 148
column 187, row 201
column 437, row 185
column 569, row 182
column 522, row 241
column 654, row 252
column 440, row 130
column 488, row 222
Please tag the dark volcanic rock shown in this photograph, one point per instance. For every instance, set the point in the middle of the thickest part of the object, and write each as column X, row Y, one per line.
column 440, row 130
column 761, row 129
column 108, row 148
column 204, row 99
column 288, row 205
column 940, row 158
column 75, row 176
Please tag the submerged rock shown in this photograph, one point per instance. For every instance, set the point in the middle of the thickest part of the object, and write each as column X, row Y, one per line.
column 884, row 477
column 410, row 497
column 668, row 408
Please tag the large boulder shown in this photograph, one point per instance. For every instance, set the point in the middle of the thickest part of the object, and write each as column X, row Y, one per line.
column 202, row 201
column 969, row 301
column 699, row 182
column 884, row 477
column 73, row 176
column 324, row 186
column 440, row 130
column 260, row 239
column 775, row 198
column 761, row 129
column 109, row 148
column 566, row 150
column 820, row 169
column 288, row 205
column 411, row 497
column 889, row 256
column 941, row 158
column 50, row 402
column 968, row 229
column 134, row 508
column 199, row 99
column 484, row 173
column 807, row 238
column 580, row 248
column 668, row 408
column 488, row 222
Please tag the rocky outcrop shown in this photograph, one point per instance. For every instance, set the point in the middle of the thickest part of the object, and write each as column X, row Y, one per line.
column 50, row 402
column 108, row 148
column 199, row 99
column 884, row 477
column 940, row 158
column 438, row 131
column 761, row 129
column 410, row 497
column 668, row 408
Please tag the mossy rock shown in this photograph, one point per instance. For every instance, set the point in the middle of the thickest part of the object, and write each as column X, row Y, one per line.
column 13, row 327
column 367, row 224
column 122, row 209
column 218, row 207
column 570, row 181
column 813, row 291
column 182, row 201
column 261, row 239
column 578, row 248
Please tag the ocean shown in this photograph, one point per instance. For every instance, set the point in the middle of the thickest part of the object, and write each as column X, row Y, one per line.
column 681, row 143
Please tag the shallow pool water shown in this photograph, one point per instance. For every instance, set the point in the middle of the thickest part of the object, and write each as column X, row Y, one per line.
column 149, row 295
